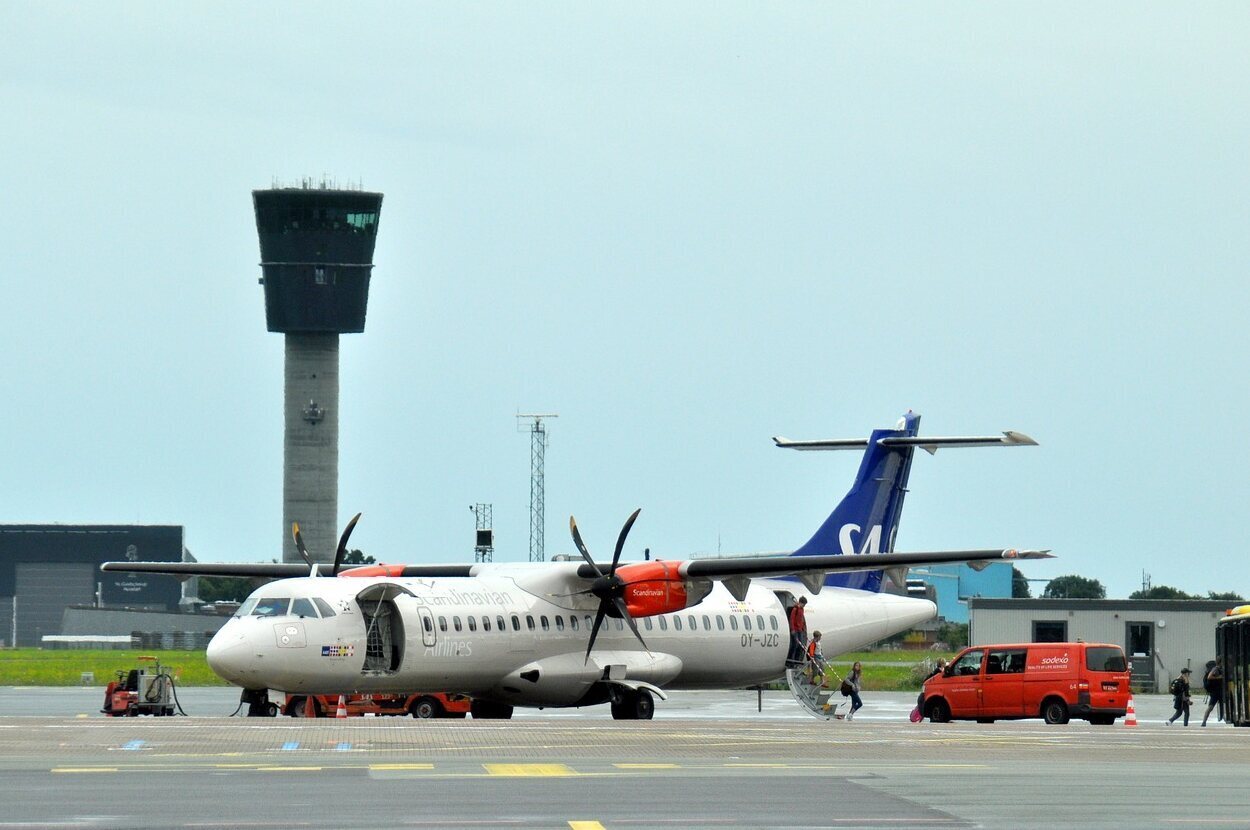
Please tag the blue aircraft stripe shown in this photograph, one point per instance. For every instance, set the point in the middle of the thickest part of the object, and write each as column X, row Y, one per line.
column 291, row 745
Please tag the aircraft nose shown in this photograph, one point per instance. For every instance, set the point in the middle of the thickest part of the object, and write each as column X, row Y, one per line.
column 228, row 654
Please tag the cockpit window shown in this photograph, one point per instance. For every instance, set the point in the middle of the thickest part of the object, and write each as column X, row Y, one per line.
column 303, row 607
column 271, row 606
column 246, row 607
column 323, row 607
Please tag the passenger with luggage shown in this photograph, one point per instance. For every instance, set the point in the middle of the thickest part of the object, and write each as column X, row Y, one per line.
column 816, row 663
column 851, row 687
column 1180, row 697
column 798, row 634
column 1213, row 683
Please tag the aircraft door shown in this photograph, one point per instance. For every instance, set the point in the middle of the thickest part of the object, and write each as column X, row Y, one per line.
column 384, row 627
column 428, row 634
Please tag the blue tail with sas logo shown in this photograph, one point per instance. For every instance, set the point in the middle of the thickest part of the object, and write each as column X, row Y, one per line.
column 866, row 520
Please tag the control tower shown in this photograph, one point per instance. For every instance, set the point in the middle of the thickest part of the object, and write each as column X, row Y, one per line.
column 316, row 251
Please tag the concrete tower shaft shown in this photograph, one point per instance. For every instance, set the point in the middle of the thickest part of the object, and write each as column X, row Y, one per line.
column 310, row 446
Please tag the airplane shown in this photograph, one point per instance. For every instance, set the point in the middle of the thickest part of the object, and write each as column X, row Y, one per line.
column 569, row 633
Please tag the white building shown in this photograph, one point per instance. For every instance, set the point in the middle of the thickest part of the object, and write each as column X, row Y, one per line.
column 1160, row 637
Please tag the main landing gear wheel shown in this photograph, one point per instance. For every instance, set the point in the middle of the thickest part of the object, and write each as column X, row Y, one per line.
column 425, row 707
column 633, row 705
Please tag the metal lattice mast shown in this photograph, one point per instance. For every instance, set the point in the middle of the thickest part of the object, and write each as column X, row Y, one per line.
column 484, row 536
column 538, row 452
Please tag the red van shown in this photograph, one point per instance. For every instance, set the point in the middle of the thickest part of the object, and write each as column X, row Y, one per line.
column 1052, row 681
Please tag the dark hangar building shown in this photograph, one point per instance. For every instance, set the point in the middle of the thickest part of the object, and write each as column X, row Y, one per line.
column 44, row 568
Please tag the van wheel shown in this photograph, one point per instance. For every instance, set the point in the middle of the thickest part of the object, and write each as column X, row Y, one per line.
column 1054, row 710
column 425, row 707
column 938, row 711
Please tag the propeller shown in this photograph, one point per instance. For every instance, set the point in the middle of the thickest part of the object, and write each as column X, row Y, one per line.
column 338, row 553
column 607, row 587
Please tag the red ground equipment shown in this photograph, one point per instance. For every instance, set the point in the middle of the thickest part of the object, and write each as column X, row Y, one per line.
column 419, row 705
column 147, row 690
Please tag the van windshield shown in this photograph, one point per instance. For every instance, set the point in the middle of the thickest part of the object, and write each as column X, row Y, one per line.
column 1105, row 659
column 970, row 663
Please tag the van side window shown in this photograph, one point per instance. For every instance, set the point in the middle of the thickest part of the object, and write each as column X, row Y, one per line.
column 1005, row 662
column 970, row 663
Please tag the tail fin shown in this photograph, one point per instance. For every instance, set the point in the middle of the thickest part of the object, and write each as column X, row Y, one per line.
column 866, row 520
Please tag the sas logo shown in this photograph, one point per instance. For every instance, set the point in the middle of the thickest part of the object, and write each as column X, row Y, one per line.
column 871, row 543
column 338, row 651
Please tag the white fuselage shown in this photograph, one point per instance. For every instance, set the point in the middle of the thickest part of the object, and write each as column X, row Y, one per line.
column 510, row 635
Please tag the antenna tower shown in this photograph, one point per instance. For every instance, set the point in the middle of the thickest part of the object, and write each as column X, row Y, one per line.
column 538, row 451
column 484, row 537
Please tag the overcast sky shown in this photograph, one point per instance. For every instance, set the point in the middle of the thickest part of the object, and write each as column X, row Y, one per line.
column 683, row 227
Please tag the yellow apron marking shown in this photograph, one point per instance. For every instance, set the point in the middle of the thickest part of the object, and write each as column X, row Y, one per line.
column 528, row 769
column 585, row 825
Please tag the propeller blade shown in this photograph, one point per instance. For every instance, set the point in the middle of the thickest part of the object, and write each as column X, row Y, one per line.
column 581, row 547
column 624, row 612
column 620, row 540
column 299, row 543
column 594, row 632
column 342, row 548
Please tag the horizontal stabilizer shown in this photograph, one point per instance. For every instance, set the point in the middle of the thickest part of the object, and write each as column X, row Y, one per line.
column 929, row 444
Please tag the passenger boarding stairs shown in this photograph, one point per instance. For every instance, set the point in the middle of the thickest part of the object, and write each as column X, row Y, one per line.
column 813, row 693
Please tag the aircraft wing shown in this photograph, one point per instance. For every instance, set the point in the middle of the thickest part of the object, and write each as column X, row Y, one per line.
column 761, row 566
column 273, row 570
column 787, row 565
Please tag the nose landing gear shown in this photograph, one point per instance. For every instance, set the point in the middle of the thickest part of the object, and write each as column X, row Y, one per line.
column 258, row 703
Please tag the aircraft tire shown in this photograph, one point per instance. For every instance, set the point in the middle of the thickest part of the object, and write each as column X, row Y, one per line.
column 634, row 705
column 644, row 705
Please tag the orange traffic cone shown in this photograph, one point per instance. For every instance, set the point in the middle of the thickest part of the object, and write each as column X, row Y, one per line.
column 341, row 712
column 1130, row 717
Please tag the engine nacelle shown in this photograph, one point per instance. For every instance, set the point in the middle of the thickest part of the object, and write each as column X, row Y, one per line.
column 374, row 570
column 653, row 588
